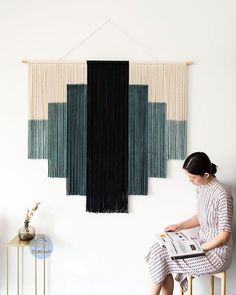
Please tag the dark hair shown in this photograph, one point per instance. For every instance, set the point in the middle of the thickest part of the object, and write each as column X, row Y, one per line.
column 199, row 163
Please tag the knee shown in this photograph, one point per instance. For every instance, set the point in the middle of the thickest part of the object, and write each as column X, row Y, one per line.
column 169, row 277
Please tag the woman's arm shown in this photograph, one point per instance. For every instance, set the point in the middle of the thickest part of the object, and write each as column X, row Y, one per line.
column 219, row 240
column 225, row 216
column 190, row 223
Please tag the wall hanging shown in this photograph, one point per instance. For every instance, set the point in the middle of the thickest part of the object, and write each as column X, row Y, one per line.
column 106, row 126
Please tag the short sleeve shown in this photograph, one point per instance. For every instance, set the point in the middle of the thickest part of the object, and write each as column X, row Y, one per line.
column 225, row 211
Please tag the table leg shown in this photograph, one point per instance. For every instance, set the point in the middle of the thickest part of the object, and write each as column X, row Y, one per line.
column 44, row 267
column 35, row 274
column 18, row 270
column 7, row 274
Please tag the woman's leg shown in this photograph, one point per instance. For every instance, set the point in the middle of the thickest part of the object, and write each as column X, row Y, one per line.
column 164, row 288
column 154, row 288
column 168, row 285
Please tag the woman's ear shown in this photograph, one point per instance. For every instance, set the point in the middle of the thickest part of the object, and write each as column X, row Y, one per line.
column 206, row 175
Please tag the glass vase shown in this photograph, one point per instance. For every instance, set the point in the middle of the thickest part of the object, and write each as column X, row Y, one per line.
column 26, row 233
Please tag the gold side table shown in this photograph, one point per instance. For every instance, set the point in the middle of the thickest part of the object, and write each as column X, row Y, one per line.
column 17, row 243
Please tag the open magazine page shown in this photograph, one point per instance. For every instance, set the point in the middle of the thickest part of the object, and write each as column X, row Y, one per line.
column 179, row 245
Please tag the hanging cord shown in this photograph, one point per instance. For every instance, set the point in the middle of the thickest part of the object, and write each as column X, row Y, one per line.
column 108, row 21
column 149, row 54
column 85, row 39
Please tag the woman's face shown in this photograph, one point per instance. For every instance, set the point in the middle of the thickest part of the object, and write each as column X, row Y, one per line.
column 198, row 179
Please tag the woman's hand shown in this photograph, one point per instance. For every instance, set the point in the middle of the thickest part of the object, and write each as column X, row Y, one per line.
column 173, row 227
column 190, row 223
column 204, row 246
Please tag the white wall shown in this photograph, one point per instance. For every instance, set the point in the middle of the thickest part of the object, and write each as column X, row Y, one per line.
column 104, row 253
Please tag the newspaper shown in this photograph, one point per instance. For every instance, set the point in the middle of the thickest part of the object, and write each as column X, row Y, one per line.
column 179, row 245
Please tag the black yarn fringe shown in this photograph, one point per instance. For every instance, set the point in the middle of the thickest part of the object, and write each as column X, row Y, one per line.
column 107, row 136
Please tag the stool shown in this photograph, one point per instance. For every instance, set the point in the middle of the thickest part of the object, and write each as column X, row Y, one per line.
column 220, row 275
column 190, row 286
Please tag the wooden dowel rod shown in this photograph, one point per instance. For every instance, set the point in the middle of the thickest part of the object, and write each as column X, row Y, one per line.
column 25, row 61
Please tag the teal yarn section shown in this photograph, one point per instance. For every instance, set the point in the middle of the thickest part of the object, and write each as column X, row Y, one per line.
column 57, row 139
column 37, row 139
column 138, row 137
column 156, row 140
column 176, row 139
column 76, row 139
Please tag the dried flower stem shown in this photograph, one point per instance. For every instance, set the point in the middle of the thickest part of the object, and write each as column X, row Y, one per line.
column 30, row 213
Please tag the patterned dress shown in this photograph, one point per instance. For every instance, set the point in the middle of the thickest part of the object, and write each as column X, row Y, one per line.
column 214, row 212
